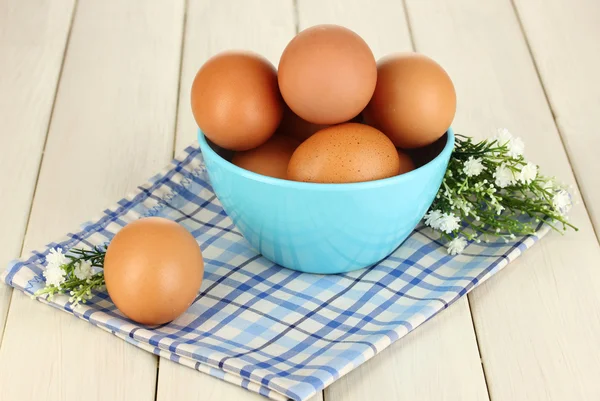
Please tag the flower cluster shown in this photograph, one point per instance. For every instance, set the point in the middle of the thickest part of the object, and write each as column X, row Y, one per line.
column 76, row 274
column 490, row 190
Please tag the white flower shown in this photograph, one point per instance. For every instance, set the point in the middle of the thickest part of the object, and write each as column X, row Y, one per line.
column 473, row 167
column 528, row 173
column 548, row 186
column 457, row 245
column 503, row 136
column 54, row 275
column 432, row 219
column 56, row 258
column 497, row 206
column 504, row 176
column 448, row 223
column 463, row 205
column 83, row 270
column 515, row 146
column 562, row 202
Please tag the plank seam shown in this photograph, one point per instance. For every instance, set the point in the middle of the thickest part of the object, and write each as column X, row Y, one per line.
column 411, row 36
column 552, row 112
column 156, row 379
column 39, row 167
column 181, row 51
column 174, row 148
column 296, row 16
column 485, row 379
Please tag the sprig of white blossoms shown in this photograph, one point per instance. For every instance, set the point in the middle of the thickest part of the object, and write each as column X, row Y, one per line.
column 75, row 274
column 490, row 190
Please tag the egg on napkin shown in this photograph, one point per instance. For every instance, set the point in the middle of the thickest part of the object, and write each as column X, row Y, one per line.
column 153, row 269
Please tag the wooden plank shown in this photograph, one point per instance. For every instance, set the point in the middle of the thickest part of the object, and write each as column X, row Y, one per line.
column 32, row 43
column 381, row 24
column 538, row 321
column 563, row 38
column 213, row 26
column 112, row 128
column 180, row 383
column 177, row 382
column 428, row 364
column 413, row 367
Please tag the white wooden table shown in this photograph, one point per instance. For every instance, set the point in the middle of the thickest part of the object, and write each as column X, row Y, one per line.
column 94, row 99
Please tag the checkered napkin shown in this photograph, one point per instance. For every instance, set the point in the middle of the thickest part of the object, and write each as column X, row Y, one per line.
column 274, row 331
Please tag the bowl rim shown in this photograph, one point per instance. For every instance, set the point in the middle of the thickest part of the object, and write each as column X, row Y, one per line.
column 206, row 149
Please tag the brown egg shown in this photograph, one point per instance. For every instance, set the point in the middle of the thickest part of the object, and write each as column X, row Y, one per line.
column 349, row 152
column 406, row 162
column 414, row 102
column 235, row 100
column 270, row 159
column 295, row 127
column 327, row 74
column 153, row 270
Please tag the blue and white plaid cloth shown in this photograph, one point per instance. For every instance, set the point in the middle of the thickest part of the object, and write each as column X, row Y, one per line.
column 278, row 332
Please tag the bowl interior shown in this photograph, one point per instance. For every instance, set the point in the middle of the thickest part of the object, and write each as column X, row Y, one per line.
column 423, row 158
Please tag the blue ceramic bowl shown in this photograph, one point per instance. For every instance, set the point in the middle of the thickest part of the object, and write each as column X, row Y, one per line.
column 325, row 228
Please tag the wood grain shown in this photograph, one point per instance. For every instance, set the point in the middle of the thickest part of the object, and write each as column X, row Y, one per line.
column 538, row 321
column 112, row 128
column 440, row 360
column 179, row 383
column 381, row 24
column 427, row 364
column 182, row 383
column 261, row 26
column 563, row 38
column 33, row 36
